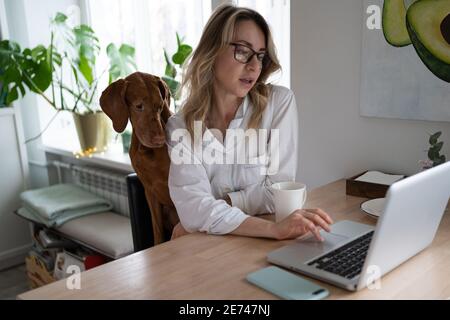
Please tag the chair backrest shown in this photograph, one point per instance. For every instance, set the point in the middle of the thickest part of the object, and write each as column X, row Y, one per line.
column 140, row 215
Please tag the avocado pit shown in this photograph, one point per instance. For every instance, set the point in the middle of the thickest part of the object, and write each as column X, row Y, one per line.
column 445, row 28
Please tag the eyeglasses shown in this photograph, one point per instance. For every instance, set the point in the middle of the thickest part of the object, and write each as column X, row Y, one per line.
column 244, row 54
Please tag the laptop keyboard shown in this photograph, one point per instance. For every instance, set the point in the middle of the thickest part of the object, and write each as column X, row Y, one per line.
column 346, row 261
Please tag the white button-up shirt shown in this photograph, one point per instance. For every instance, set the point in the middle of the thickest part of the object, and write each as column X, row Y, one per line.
column 198, row 185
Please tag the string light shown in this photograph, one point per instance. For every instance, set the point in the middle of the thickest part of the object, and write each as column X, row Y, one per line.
column 85, row 153
column 88, row 152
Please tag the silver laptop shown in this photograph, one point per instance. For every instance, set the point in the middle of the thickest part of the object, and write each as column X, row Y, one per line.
column 355, row 255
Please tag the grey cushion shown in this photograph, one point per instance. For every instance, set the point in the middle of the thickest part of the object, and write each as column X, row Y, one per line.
column 108, row 233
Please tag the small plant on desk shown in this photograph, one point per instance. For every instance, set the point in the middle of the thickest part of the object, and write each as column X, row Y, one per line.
column 434, row 156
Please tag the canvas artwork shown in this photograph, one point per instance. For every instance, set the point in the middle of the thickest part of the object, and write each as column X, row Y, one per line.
column 405, row 71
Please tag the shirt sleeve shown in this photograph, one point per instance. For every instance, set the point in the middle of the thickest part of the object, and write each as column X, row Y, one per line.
column 258, row 198
column 190, row 191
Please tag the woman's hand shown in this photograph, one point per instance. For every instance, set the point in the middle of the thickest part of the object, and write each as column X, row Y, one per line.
column 178, row 231
column 301, row 221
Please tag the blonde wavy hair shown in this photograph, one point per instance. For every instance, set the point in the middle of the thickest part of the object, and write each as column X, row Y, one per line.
column 198, row 78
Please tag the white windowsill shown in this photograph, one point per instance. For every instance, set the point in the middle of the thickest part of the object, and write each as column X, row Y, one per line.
column 113, row 158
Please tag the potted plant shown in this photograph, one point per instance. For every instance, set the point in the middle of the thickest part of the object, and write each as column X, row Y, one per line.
column 64, row 75
column 434, row 156
column 174, row 64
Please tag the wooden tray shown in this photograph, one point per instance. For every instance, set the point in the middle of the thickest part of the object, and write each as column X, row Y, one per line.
column 365, row 189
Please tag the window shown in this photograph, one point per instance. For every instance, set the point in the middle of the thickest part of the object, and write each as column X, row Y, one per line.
column 149, row 26
column 277, row 14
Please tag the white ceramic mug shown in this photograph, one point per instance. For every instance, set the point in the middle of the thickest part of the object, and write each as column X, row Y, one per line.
column 288, row 196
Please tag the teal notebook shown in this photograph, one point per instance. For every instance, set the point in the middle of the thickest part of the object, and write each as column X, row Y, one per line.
column 286, row 285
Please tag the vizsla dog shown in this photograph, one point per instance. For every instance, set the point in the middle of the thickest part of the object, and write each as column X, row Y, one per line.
column 144, row 99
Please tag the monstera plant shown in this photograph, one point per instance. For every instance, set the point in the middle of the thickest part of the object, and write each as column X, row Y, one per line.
column 63, row 73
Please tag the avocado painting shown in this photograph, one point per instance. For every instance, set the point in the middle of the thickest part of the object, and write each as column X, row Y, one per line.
column 406, row 65
column 425, row 24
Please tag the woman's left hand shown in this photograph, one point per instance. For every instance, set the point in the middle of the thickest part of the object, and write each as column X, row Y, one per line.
column 178, row 231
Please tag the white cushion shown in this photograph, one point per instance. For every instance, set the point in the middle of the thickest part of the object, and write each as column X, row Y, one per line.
column 108, row 233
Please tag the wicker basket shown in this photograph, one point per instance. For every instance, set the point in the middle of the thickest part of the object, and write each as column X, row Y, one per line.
column 38, row 275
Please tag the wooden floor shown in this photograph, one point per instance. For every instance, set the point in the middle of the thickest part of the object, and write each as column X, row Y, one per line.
column 12, row 282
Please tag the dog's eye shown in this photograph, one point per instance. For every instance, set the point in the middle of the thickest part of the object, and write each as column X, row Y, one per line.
column 140, row 107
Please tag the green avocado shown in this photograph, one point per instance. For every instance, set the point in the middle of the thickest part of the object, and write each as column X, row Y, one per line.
column 428, row 25
column 394, row 23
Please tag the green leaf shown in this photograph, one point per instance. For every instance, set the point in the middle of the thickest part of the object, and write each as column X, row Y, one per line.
column 438, row 146
column 56, row 59
column 178, row 39
column 439, row 161
column 75, row 73
column 10, row 75
column 88, row 48
column 8, row 51
column 60, row 17
column 432, row 154
column 39, row 53
column 12, row 96
column 173, row 86
column 80, row 46
column 434, row 137
column 121, row 61
column 9, row 45
column 86, row 69
column 87, row 42
column 22, row 89
column 63, row 33
column 170, row 68
column 37, row 73
column 127, row 50
column 183, row 53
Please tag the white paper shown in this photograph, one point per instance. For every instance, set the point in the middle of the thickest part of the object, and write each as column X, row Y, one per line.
column 379, row 177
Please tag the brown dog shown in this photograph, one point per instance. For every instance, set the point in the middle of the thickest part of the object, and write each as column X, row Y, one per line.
column 145, row 100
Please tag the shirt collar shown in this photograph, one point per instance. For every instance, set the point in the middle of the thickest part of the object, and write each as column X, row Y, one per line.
column 242, row 109
column 240, row 113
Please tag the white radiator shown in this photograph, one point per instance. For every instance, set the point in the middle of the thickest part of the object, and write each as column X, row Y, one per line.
column 109, row 185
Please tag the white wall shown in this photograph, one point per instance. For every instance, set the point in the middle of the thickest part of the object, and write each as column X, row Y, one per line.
column 14, row 233
column 335, row 141
column 28, row 23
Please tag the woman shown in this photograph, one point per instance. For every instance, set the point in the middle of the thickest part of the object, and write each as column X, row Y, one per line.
column 225, row 89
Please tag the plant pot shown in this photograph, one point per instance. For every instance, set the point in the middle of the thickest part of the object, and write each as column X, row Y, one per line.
column 93, row 131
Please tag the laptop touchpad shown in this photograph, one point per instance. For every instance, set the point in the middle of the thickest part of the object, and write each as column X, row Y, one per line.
column 330, row 240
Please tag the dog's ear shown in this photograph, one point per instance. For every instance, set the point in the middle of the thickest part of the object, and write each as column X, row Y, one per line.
column 165, row 95
column 114, row 106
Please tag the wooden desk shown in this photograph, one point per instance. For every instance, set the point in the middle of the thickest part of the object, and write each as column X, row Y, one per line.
column 201, row 266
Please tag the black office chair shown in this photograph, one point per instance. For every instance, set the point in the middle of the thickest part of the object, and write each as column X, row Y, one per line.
column 140, row 216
